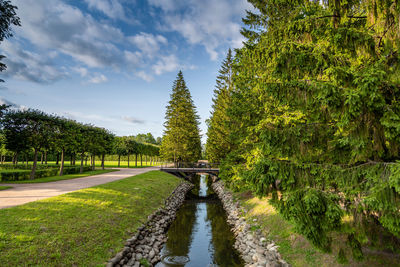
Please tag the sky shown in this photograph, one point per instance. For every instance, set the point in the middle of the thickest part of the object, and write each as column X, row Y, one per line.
column 112, row 63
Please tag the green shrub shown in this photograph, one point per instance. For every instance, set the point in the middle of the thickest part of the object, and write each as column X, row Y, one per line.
column 25, row 175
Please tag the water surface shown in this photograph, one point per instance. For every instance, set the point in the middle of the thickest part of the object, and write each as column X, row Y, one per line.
column 200, row 235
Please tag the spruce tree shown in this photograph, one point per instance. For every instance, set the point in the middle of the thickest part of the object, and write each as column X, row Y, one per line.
column 219, row 128
column 181, row 140
column 316, row 116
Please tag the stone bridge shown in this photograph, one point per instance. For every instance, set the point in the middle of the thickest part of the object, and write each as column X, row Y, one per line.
column 184, row 170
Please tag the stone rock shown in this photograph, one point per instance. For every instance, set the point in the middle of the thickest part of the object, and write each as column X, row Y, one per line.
column 152, row 254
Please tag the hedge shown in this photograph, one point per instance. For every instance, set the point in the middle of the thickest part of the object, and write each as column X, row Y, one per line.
column 25, row 175
column 22, row 166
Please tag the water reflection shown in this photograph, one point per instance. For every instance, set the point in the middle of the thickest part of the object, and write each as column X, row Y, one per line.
column 200, row 236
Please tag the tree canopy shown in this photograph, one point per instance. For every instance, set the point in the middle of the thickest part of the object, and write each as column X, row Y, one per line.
column 219, row 127
column 181, row 140
column 314, row 117
column 8, row 18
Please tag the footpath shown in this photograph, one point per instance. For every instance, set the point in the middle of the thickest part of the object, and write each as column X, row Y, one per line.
column 23, row 193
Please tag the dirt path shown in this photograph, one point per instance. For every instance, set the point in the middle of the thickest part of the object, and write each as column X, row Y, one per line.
column 24, row 193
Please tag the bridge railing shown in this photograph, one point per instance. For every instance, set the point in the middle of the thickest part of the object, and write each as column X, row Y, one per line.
column 190, row 165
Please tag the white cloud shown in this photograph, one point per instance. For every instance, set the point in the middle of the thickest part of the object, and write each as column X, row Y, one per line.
column 148, row 43
column 62, row 27
column 83, row 72
column 166, row 64
column 210, row 23
column 29, row 66
column 111, row 8
column 144, row 76
column 12, row 105
column 133, row 120
column 80, row 116
column 98, row 78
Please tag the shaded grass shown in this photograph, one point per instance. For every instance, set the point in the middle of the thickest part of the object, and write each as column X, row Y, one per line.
column 59, row 178
column 296, row 249
column 107, row 164
column 82, row 228
column 4, row 187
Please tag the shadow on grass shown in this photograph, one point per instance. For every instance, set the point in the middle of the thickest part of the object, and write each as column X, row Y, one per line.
column 296, row 249
column 84, row 228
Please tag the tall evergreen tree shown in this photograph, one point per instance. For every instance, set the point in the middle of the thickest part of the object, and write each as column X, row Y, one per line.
column 219, row 128
column 181, row 140
column 316, row 116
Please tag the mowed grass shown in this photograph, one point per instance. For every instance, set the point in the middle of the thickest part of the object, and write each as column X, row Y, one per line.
column 4, row 187
column 107, row 164
column 83, row 228
column 294, row 248
column 59, row 178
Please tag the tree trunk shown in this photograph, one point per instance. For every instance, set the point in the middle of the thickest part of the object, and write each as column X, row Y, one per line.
column 81, row 170
column 16, row 158
column 34, row 164
column 45, row 157
column 62, row 162
column 135, row 160
column 58, row 158
column 74, row 159
column 141, row 161
column 94, row 162
column 102, row 161
column 145, row 160
column 128, row 160
column 41, row 158
column 119, row 160
column 70, row 160
column 86, row 161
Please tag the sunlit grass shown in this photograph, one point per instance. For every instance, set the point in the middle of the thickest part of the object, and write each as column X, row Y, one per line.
column 4, row 187
column 59, row 178
column 82, row 228
column 294, row 248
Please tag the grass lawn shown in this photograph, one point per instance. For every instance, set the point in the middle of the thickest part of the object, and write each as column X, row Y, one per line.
column 59, row 178
column 294, row 248
column 107, row 164
column 82, row 228
column 4, row 187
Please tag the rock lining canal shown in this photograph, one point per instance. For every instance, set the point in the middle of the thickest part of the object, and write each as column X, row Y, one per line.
column 198, row 226
column 200, row 234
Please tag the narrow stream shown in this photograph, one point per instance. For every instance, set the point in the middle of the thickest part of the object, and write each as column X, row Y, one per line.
column 200, row 235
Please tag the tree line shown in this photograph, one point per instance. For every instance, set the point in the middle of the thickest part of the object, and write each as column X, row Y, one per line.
column 308, row 113
column 30, row 132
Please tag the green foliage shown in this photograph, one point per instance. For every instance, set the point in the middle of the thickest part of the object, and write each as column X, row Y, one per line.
column 30, row 130
column 219, row 127
column 144, row 262
column 315, row 117
column 181, row 140
column 47, row 172
column 8, row 18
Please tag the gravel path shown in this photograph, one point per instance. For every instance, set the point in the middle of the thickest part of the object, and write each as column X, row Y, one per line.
column 24, row 193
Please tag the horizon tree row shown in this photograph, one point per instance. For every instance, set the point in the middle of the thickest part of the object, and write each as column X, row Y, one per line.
column 129, row 145
column 26, row 131
column 30, row 132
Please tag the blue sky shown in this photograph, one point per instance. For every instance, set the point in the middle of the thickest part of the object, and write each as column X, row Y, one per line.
column 112, row 62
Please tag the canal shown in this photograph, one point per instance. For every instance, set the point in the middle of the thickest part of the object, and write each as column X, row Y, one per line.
column 200, row 235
